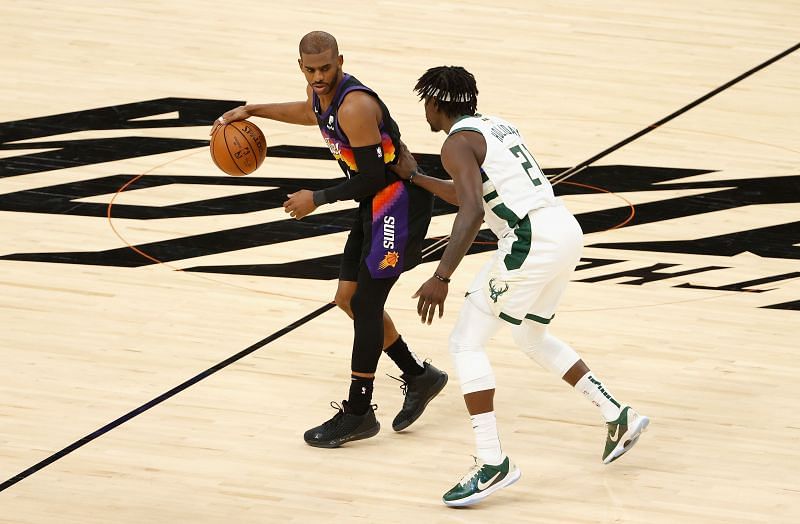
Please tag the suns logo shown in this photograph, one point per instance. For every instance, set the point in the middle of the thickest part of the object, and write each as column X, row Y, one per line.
column 388, row 232
column 389, row 260
column 333, row 146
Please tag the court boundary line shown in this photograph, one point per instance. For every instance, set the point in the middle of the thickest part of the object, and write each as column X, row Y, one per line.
column 164, row 396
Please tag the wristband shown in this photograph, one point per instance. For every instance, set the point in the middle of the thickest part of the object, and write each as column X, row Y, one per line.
column 320, row 197
column 437, row 276
column 415, row 173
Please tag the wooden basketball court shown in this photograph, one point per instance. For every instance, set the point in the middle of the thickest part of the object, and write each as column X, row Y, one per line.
column 686, row 302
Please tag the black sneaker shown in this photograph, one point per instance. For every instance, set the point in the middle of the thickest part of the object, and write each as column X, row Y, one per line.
column 418, row 390
column 343, row 427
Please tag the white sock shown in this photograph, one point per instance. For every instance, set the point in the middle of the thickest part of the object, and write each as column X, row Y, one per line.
column 487, row 441
column 596, row 392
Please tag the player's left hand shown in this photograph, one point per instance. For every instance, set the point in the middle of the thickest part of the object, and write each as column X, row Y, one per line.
column 431, row 294
column 300, row 204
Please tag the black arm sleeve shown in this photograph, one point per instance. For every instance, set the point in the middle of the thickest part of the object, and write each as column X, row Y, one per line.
column 371, row 178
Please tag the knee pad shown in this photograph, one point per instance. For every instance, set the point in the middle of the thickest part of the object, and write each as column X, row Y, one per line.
column 472, row 365
column 548, row 351
column 361, row 304
column 467, row 342
column 367, row 308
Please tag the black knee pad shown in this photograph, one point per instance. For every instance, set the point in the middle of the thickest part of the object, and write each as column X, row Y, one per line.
column 368, row 340
column 367, row 307
column 363, row 304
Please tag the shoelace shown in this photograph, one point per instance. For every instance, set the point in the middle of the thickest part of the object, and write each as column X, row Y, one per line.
column 403, row 384
column 472, row 473
column 335, row 405
column 340, row 408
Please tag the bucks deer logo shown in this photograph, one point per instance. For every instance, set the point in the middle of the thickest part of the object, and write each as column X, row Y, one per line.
column 495, row 292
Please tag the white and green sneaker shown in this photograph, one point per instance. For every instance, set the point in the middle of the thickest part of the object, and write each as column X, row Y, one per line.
column 623, row 433
column 481, row 481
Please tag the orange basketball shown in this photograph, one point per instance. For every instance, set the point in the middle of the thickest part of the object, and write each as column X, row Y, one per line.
column 238, row 148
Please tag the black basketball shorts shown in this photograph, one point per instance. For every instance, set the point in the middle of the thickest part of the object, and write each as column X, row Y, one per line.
column 388, row 232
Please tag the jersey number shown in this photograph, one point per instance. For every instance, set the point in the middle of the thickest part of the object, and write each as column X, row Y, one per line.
column 520, row 152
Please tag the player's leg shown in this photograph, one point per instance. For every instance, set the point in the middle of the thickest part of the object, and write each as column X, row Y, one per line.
column 493, row 470
column 356, row 418
column 344, row 294
column 623, row 423
column 561, row 245
column 420, row 381
column 393, row 344
column 367, row 306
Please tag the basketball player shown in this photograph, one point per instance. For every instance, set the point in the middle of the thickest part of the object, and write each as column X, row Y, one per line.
column 495, row 178
column 386, row 238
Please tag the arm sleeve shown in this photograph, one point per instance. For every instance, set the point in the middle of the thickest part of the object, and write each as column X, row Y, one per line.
column 371, row 178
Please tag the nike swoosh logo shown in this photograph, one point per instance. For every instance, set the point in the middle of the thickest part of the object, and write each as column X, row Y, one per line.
column 483, row 485
column 615, row 436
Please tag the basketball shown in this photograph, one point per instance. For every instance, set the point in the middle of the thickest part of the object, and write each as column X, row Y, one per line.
column 238, row 148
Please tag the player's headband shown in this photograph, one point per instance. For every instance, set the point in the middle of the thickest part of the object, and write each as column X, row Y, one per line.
column 443, row 96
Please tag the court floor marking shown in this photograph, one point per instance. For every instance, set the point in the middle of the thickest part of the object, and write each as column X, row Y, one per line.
column 326, row 307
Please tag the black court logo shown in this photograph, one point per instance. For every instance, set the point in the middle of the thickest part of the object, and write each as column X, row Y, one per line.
column 781, row 241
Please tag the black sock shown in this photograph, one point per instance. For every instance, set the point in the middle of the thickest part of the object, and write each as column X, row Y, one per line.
column 360, row 396
column 405, row 360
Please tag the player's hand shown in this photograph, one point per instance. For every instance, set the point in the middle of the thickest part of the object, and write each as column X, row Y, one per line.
column 406, row 163
column 237, row 113
column 300, row 204
column 431, row 294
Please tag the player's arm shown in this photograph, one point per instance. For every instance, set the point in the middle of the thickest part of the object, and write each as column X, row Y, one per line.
column 359, row 117
column 407, row 169
column 462, row 155
column 300, row 113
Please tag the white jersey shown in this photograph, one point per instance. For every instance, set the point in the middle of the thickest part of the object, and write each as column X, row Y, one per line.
column 513, row 183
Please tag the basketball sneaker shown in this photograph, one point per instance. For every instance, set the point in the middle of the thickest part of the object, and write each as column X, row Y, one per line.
column 481, row 481
column 623, row 433
column 343, row 427
column 419, row 390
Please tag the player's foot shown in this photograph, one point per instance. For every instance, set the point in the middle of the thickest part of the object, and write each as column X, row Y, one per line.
column 481, row 481
column 343, row 427
column 418, row 390
column 623, row 433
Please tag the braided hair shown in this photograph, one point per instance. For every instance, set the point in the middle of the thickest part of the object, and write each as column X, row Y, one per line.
column 453, row 88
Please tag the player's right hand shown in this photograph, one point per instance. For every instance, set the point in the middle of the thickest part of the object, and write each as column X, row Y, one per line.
column 406, row 163
column 237, row 113
column 431, row 294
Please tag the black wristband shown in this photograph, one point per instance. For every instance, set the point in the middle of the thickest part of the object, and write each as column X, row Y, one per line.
column 320, row 197
column 437, row 276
